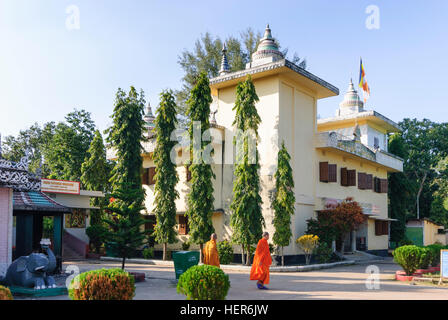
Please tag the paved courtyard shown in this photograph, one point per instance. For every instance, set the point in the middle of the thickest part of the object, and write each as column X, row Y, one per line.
column 345, row 282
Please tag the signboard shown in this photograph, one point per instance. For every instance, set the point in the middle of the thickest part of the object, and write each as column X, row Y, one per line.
column 60, row 186
column 443, row 264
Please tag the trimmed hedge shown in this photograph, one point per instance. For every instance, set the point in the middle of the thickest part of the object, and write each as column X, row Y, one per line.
column 225, row 251
column 204, row 282
column 408, row 257
column 5, row 293
column 103, row 284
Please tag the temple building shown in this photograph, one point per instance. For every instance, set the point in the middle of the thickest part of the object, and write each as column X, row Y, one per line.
column 332, row 159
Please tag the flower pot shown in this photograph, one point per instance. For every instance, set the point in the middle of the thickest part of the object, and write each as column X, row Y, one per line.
column 403, row 277
column 422, row 271
column 434, row 269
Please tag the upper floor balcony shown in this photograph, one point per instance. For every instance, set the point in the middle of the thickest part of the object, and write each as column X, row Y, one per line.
column 352, row 148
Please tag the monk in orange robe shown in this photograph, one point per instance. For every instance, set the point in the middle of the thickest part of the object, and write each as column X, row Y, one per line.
column 211, row 256
column 261, row 263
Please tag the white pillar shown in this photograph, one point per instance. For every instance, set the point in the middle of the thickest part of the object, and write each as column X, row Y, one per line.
column 6, row 219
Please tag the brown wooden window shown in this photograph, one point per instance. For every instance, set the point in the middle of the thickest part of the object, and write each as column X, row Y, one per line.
column 381, row 228
column 369, row 182
column 351, row 174
column 361, row 180
column 323, row 172
column 151, row 175
column 188, row 177
column 183, row 225
column 380, row 185
column 344, row 177
column 332, row 173
column 384, row 185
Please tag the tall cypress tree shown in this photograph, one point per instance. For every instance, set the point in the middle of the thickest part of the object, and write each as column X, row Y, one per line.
column 200, row 200
column 247, row 219
column 95, row 174
column 284, row 200
column 125, row 136
column 166, row 175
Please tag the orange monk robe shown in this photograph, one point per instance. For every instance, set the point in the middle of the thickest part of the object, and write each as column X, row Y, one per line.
column 263, row 256
column 210, row 252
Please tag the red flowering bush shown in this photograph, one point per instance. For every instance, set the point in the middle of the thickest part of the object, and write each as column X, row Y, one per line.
column 102, row 284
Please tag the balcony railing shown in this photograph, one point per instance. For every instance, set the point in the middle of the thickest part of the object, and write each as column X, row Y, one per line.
column 348, row 145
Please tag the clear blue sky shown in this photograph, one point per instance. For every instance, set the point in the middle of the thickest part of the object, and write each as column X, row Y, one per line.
column 47, row 70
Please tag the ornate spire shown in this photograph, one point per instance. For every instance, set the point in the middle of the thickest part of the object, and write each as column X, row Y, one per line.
column 149, row 117
column 351, row 103
column 267, row 50
column 225, row 68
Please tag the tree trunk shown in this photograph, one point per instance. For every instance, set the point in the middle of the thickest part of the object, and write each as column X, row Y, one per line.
column 283, row 258
column 164, row 251
column 201, row 255
column 122, row 263
column 342, row 245
column 419, row 193
column 242, row 255
column 248, row 255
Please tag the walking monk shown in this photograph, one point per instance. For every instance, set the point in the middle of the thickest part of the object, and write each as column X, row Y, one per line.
column 262, row 261
column 210, row 252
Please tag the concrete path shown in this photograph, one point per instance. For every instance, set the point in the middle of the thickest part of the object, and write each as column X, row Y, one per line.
column 345, row 282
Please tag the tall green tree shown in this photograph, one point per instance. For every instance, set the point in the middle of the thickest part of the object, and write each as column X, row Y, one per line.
column 95, row 173
column 33, row 140
column 200, row 199
column 166, row 175
column 125, row 137
column 420, row 140
column 206, row 57
column 401, row 192
column 284, row 200
column 67, row 149
column 247, row 220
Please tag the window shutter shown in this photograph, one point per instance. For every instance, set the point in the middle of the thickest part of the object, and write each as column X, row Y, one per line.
column 151, row 174
column 378, row 228
column 376, row 184
column 385, row 228
column 323, row 171
column 369, row 181
column 150, row 222
column 332, row 173
column 351, row 177
column 361, row 180
column 344, row 177
column 383, row 186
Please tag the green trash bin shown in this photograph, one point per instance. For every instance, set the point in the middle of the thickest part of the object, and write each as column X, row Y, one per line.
column 184, row 260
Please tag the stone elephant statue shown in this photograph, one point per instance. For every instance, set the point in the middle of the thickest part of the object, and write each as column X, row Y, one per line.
column 32, row 271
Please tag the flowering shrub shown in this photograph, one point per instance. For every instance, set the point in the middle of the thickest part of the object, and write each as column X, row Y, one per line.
column 204, row 282
column 308, row 243
column 225, row 251
column 5, row 293
column 102, row 284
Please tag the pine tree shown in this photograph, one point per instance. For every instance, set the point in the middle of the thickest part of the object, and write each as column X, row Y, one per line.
column 247, row 219
column 284, row 201
column 200, row 200
column 166, row 175
column 125, row 137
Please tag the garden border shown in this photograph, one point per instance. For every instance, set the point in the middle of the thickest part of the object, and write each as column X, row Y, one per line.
column 310, row 267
